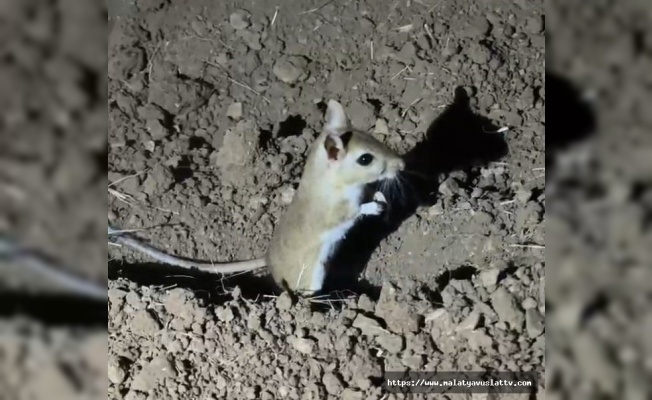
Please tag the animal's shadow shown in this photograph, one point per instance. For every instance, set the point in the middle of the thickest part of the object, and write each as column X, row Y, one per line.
column 458, row 139
column 211, row 287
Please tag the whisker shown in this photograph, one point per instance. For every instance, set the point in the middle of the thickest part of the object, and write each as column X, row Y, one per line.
column 408, row 187
column 405, row 184
column 398, row 187
column 389, row 189
column 382, row 187
column 385, row 188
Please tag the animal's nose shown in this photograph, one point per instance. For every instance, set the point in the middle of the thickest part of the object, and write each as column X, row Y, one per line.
column 400, row 165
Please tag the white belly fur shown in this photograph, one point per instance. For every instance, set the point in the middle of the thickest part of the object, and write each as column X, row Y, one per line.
column 330, row 240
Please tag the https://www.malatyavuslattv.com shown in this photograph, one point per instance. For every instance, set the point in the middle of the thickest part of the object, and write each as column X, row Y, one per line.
column 460, row 382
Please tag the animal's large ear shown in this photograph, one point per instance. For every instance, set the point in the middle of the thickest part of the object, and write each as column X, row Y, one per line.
column 336, row 120
column 334, row 147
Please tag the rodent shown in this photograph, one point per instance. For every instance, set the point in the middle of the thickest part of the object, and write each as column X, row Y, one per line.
column 329, row 199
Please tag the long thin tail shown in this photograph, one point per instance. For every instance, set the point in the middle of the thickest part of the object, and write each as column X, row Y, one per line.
column 220, row 268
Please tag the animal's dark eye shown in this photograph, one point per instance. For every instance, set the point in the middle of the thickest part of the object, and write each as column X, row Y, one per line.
column 365, row 159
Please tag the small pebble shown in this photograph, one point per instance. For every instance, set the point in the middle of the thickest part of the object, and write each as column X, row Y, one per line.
column 391, row 342
column 507, row 308
column 489, row 277
column 469, row 323
column 238, row 21
column 333, row 384
column 381, row 127
column 234, row 111
column 284, row 301
column 534, row 323
column 289, row 72
column 529, row 303
column 523, row 195
column 449, row 187
column 367, row 325
column 302, row 345
column 116, row 373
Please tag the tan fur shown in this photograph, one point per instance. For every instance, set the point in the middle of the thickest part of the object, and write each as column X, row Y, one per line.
column 325, row 206
column 320, row 204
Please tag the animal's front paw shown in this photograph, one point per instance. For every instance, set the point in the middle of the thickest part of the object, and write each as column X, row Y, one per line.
column 372, row 208
column 375, row 207
column 380, row 198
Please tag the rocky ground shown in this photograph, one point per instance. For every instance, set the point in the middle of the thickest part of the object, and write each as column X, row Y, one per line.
column 212, row 109
column 212, row 106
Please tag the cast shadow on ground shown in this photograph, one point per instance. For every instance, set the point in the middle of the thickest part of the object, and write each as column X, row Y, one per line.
column 213, row 288
column 458, row 139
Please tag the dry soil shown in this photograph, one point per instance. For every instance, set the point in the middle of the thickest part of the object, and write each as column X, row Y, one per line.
column 212, row 108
